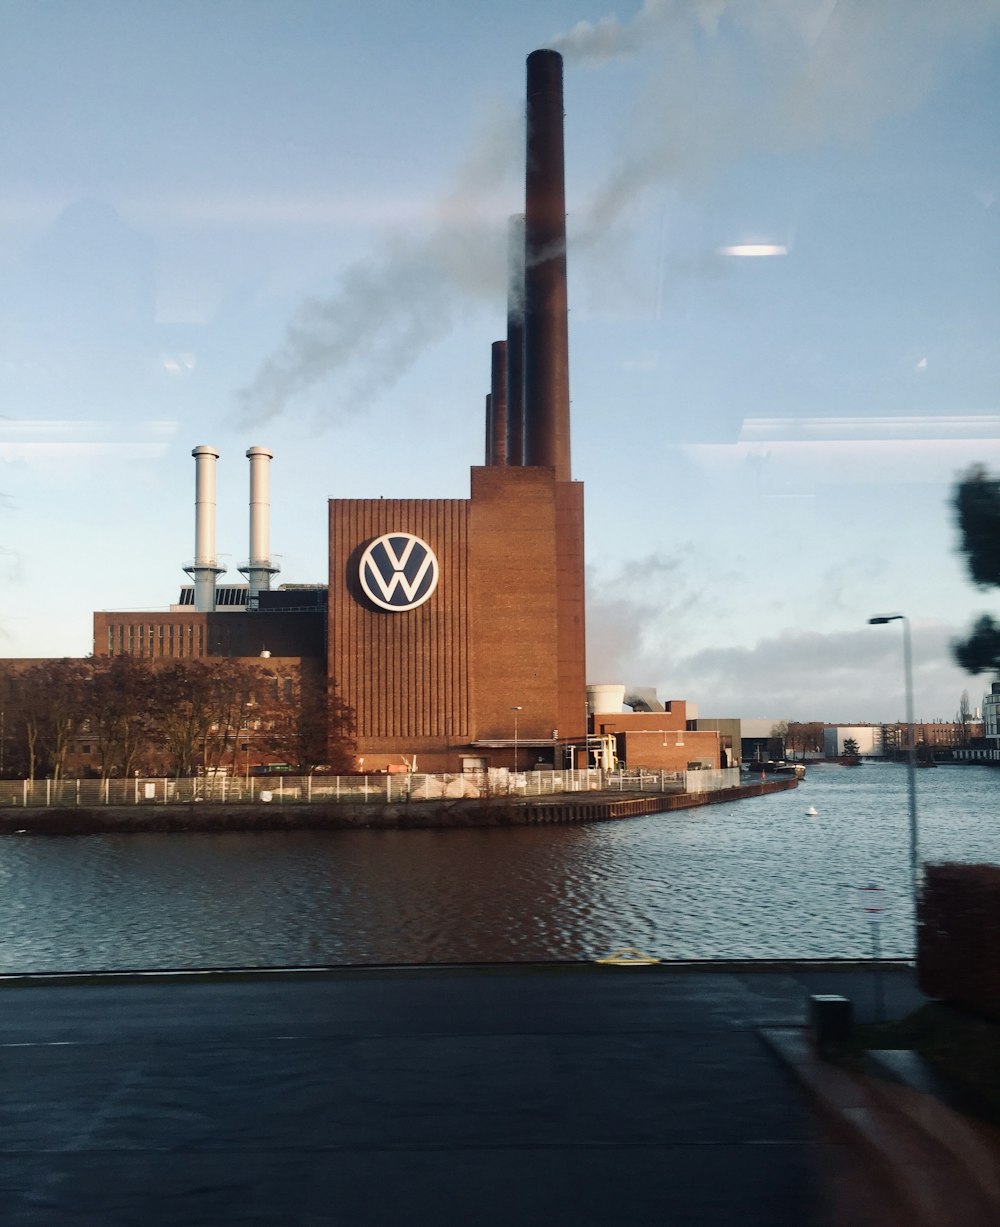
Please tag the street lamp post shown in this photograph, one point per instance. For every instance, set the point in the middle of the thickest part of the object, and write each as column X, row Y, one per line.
column 515, row 710
column 881, row 620
column 249, row 708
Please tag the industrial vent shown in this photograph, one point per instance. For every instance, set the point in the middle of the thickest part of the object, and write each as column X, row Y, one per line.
column 287, row 599
column 227, row 596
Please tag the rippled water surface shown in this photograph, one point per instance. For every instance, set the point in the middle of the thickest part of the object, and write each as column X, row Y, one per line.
column 747, row 879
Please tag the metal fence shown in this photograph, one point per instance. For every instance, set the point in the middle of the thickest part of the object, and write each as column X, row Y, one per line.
column 327, row 789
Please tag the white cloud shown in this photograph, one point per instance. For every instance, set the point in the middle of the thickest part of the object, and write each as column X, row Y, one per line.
column 845, row 677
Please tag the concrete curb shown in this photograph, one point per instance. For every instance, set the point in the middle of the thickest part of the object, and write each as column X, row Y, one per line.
column 921, row 1154
column 97, row 975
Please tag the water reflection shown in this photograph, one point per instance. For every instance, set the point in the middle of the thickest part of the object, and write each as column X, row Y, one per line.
column 752, row 879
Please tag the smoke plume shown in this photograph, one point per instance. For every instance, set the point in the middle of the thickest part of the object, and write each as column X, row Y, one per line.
column 723, row 80
column 713, row 83
column 389, row 308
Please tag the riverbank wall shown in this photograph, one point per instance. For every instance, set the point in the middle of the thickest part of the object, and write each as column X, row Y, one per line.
column 448, row 814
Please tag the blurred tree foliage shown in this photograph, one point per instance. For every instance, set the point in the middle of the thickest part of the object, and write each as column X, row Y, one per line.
column 976, row 502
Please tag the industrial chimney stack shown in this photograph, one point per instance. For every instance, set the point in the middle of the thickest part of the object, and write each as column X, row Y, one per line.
column 515, row 340
column 204, row 570
column 259, row 569
column 498, row 404
column 546, row 328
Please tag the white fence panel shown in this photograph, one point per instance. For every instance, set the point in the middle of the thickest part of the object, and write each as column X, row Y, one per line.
column 285, row 789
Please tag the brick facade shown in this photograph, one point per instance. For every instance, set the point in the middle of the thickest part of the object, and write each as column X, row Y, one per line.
column 185, row 634
column 503, row 629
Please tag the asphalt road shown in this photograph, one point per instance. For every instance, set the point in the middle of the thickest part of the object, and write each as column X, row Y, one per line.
column 472, row 1096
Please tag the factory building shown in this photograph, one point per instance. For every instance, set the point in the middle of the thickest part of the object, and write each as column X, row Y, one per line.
column 453, row 621
column 235, row 620
column 454, row 628
column 652, row 736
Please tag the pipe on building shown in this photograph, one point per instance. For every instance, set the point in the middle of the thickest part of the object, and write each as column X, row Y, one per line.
column 259, row 569
column 546, row 327
column 204, row 570
column 489, row 430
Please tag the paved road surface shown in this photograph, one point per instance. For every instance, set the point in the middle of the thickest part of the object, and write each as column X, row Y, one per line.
column 474, row 1096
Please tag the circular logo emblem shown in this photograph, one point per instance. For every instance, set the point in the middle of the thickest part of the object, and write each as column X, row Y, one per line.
column 398, row 571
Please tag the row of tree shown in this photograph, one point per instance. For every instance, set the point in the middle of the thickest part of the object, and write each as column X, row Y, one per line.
column 117, row 715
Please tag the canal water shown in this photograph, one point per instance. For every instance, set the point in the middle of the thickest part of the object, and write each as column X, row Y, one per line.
column 760, row 878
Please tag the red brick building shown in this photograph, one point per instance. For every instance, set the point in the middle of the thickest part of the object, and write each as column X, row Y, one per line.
column 456, row 628
column 661, row 740
column 503, row 628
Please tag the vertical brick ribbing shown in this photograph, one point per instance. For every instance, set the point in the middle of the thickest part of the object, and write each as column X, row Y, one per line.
column 407, row 675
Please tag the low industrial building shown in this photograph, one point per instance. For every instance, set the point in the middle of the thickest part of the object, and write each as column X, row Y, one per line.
column 653, row 739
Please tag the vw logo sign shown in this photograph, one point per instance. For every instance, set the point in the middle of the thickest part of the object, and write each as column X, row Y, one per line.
column 398, row 571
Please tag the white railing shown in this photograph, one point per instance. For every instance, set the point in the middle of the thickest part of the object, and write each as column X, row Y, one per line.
column 326, row 789
column 712, row 780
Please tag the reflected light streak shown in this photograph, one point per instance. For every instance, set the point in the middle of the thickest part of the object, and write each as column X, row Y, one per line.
column 754, row 249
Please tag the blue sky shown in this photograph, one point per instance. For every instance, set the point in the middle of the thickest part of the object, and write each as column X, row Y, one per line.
column 250, row 223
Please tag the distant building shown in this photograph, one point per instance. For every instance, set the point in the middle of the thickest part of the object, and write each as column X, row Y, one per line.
column 730, row 730
column 938, row 738
column 658, row 737
column 867, row 737
column 991, row 713
column 761, row 739
column 985, row 748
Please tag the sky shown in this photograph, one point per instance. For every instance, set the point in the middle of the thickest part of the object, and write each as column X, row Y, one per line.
column 249, row 223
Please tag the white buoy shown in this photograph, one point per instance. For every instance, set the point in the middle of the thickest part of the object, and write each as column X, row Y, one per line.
column 812, row 812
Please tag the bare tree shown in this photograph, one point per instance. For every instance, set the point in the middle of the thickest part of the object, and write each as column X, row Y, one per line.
column 964, row 716
column 43, row 705
column 120, row 708
column 177, row 715
column 181, row 713
column 778, row 740
column 805, row 738
column 309, row 725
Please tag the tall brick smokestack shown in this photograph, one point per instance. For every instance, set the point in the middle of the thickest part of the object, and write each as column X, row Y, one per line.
column 498, row 404
column 546, row 330
column 515, row 340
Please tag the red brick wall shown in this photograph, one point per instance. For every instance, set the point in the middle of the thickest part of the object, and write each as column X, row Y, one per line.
column 208, row 634
column 646, row 749
column 406, row 675
column 673, row 719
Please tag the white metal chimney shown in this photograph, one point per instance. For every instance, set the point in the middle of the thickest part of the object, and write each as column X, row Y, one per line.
column 259, row 568
column 204, row 569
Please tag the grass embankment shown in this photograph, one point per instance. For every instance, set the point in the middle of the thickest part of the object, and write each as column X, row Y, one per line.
column 964, row 1047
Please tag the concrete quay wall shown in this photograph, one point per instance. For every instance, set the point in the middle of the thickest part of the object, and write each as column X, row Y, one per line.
column 352, row 815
